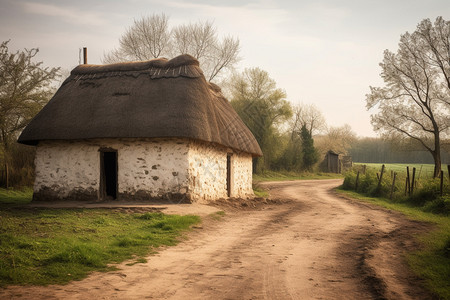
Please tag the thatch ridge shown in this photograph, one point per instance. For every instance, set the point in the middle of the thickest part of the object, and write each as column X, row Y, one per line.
column 152, row 99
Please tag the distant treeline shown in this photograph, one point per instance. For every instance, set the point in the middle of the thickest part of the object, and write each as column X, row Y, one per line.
column 375, row 150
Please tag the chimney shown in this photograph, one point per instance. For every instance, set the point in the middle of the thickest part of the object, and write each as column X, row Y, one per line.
column 85, row 55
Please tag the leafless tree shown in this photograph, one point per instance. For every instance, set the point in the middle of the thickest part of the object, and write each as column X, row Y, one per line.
column 150, row 38
column 338, row 139
column 310, row 116
column 415, row 101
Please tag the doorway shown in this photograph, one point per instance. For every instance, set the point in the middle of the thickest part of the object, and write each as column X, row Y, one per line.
column 108, row 180
column 229, row 175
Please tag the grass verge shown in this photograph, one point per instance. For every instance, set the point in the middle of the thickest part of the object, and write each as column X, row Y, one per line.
column 259, row 191
column 286, row 175
column 432, row 262
column 48, row 246
column 16, row 197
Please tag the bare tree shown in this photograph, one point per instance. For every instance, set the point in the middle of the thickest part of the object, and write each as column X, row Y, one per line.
column 25, row 86
column 338, row 139
column 150, row 38
column 310, row 116
column 415, row 101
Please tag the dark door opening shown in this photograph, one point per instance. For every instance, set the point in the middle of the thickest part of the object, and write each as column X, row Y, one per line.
column 229, row 175
column 109, row 174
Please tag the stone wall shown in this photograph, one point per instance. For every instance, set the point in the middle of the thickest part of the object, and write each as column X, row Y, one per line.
column 163, row 169
column 242, row 175
column 208, row 170
column 147, row 168
column 66, row 170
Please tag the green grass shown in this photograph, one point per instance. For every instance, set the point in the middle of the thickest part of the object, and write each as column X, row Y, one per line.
column 433, row 261
column 16, row 197
column 46, row 246
column 286, row 175
column 422, row 170
column 259, row 191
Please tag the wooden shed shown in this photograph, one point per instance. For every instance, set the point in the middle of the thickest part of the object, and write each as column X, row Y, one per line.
column 336, row 163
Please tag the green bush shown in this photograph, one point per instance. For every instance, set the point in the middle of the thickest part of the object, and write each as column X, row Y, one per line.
column 426, row 192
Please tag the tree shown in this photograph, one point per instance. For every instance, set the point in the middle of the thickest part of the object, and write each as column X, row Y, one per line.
column 415, row 101
column 310, row 156
column 25, row 86
column 262, row 106
column 310, row 116
column 338, row 139
column 150, row 37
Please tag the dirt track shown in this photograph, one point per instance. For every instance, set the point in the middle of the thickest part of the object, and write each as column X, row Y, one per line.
column 315, row 246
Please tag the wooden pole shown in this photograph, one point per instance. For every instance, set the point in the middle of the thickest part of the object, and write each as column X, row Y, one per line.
column 381, row 178
column 85, row 55
column 448, row 170
column 413, row 180
column 357, row 181
column 408, row 185
column 442, row 183
column 393, row 184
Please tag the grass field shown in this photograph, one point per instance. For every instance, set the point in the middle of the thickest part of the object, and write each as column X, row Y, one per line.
column 422, row 170
column 44, row 246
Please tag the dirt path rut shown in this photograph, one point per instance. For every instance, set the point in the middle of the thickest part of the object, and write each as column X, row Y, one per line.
column 315, row 246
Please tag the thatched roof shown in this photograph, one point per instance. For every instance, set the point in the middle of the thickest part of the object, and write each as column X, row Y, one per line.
column 156, row 98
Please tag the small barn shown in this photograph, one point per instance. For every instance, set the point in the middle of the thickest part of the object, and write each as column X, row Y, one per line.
column 142, row 131
column 336, row 163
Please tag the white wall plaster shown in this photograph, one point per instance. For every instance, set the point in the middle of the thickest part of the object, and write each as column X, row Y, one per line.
column 153, row 166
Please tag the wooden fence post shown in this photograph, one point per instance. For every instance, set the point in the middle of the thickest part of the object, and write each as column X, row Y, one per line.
column 357, row 181
column 408, row 185
column 442, row 183
column 393, row 184
column 448, row 170
column 413, row 181
column 379, row 180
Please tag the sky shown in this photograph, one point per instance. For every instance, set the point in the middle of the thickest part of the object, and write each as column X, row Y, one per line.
column 323, row 52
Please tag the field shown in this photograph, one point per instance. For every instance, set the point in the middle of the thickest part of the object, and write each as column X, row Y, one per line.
column 422, row 170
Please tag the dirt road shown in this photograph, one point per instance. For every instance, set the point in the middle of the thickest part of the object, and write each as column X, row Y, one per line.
column 315, row 246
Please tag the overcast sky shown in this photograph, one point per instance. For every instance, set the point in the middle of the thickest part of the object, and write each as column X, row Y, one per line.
column 323, row 52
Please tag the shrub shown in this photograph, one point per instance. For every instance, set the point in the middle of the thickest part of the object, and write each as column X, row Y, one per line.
column 426, row 192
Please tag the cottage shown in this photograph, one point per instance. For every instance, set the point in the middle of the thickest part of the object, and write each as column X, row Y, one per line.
column 140, row 130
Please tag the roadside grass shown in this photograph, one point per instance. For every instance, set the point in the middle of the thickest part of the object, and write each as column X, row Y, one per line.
column 259, row 191
column 432, row 262
column 55, row 246
column 422, row 170
column 16, row 196
column 287, row 175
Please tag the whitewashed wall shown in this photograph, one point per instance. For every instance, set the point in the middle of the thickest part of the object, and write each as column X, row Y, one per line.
column 242, row 175
column 208, row 171
column 66, row 169
column 147, row 168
